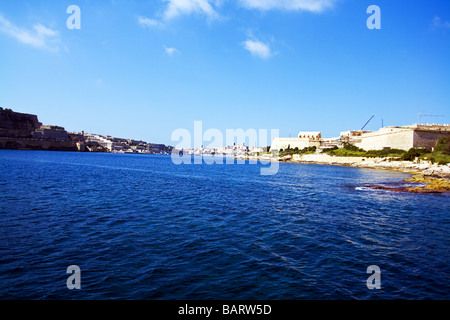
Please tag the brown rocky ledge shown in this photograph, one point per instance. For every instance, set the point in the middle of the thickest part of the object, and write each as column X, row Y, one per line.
column 428, row 185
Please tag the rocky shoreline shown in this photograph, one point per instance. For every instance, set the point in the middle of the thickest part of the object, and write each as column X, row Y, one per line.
column 427, row 177
column 425, row 168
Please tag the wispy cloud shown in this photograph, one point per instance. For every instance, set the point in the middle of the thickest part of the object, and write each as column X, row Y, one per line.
column 39, row 36
column 176, row 8
column 258, row 48
column 305, row 5
column 171, row 51
column 186, row 7
column 147, row 22
column 437, row 23
column 209, row 8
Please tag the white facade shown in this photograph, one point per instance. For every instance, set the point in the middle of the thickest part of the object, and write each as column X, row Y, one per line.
column 304, row 140
column 313, row 135
column 105, row 143
column 404, row 138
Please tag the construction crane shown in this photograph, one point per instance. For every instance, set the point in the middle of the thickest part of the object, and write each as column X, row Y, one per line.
column 428, row 115
column 360, row 131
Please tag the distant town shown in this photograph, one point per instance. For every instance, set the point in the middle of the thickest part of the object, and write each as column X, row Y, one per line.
column 24, row 131
column 392, row 137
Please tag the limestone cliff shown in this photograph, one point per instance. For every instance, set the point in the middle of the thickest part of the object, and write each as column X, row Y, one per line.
column 17, row 125
column 24, row 131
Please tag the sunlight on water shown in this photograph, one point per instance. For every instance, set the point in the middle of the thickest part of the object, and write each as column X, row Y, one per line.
column 140, row 227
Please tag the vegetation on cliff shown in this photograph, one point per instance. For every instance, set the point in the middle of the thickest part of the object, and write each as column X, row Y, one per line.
column 440, row 154
column 414, row 153
column 350, row 150
column 296, row 150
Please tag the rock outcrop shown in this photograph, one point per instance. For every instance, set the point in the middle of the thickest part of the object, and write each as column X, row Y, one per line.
column 17, row 125
column 24, row 131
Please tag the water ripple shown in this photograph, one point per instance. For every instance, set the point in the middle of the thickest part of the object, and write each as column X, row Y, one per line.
column 140, row 227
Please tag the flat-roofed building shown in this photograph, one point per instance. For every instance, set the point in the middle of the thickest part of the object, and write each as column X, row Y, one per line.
column 304, row 140
column 404, row 138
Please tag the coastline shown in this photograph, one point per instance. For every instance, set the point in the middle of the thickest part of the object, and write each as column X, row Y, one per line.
column 429, row 177
column 425, row 168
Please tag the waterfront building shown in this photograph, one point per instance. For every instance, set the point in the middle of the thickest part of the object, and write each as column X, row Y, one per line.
column 102, row 141
column 404, row 138
column 303, row 140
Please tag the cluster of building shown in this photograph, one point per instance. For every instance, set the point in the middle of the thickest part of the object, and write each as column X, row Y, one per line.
column 303, row 140
column 96, row 142
column 24, row 131
column 404, row 138
column 227, row 151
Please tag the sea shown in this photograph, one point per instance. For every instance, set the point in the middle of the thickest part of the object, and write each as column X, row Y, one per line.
column 140, row 227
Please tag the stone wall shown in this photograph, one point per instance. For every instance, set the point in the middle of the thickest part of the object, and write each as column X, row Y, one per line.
column 284, row 143
column 50, row 134
column 428, row 139
column 389, row 137
column 400, row 138
column 30, row 144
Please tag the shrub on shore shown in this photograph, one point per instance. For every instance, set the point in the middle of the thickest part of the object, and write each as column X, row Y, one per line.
column 414, row 153
column 348, row 150
column 296, row 150
column 443, row 145
column 441, row 153
column 440, row 158
column 386, row 152
column 327, row 150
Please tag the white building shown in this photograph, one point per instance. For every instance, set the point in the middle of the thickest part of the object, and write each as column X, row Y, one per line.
column 303, row 140
column 104, row 142
column 404, row 138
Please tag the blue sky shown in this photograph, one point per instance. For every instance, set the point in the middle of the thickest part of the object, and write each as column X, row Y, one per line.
column 141, row 69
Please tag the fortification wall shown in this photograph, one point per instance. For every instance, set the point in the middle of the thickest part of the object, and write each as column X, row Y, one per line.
column 284, row 143
column 29, row 144
column 428, row 139
column 394, row 138
column 57, row 135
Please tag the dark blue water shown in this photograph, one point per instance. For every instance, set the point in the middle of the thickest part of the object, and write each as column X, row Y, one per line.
column 140, row 227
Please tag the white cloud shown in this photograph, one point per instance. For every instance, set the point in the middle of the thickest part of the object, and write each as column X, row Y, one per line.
column 39, row 36
column 171, row 51
column 187, row 7
column 208, row 8
column 147, row 22
column 177, row 8
column 437, row 23
column 305, row 5
column 257, row 48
